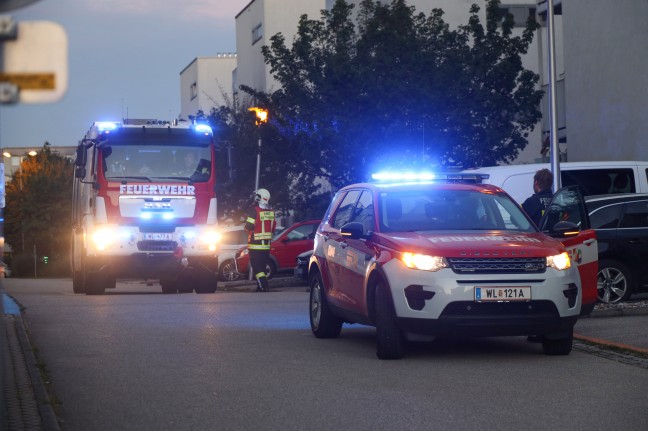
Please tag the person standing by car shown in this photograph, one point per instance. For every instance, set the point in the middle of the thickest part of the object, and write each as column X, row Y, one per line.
column 260, row 224
column 536, row 205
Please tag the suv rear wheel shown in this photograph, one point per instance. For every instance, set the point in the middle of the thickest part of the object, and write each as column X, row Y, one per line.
column 324, row 324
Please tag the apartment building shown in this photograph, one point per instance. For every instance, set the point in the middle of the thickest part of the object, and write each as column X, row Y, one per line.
column 205, row 83
column 255, row 25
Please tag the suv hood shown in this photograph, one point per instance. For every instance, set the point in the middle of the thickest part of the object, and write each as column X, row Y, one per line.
column 472, row 243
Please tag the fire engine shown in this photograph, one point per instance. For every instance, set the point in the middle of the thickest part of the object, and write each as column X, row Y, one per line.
column 144, row 207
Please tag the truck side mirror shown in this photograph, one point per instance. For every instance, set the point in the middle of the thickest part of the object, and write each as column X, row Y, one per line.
column 80, row 162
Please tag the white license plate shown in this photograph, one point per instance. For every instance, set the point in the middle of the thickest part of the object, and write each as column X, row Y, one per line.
column 158, row 236
column 500, row 293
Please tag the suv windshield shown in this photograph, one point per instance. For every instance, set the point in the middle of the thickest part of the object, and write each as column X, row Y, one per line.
column 431, row 210
column 158, row 163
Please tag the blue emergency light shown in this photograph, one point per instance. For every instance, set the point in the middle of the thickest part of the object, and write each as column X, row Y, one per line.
column 203, row 128
column 106, row 126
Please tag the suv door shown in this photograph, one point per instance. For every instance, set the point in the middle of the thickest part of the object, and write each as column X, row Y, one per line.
column 568, row 205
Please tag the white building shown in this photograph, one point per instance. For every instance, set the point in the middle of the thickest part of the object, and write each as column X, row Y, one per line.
column 605, row 78
column 205, row 83
column 255, row 25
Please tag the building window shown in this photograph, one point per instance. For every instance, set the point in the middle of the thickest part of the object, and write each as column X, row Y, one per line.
column 193, row 91
column 520, row 14
column 257, row 33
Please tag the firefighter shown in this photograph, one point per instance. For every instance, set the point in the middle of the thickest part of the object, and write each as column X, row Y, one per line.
column 260, row 224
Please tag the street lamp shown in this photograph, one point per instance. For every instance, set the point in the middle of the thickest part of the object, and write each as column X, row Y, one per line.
column 261, row 117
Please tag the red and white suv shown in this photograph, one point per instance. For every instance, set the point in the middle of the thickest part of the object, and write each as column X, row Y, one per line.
column 419, row 259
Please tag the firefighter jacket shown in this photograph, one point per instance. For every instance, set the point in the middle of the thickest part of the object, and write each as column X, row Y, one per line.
column 260, row 224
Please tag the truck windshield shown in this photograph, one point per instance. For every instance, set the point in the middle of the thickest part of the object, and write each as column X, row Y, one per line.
column 156, row 163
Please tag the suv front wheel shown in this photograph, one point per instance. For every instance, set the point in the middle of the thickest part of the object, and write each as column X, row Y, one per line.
column 389, row 338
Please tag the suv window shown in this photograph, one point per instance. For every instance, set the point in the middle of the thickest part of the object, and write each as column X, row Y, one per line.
column 606, row 217
column 364, row 211
column 344, row 211
column 636, row 215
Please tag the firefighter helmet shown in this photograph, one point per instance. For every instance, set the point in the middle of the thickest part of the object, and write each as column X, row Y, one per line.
column 262, row 196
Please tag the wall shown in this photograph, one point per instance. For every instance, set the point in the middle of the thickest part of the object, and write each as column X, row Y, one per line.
column 606, row 64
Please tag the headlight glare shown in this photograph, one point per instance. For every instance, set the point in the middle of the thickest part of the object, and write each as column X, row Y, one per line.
column 560, row 261
column 102, row 238
column 423, row 262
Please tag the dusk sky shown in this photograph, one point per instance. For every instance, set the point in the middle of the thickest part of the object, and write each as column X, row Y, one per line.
column 125, row 58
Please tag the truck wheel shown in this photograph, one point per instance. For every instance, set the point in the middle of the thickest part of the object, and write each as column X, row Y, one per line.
column 324, row 323
column 79, row 282
column 98, row 285
column 559, row 346
column 206, row 282
column 389, row 337
column 168, row 286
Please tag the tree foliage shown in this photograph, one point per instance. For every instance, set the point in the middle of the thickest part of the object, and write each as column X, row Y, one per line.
column 396, row 88
column 38, row 210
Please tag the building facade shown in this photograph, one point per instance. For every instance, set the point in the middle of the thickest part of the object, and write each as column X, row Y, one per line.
column 205, row 83
column 255, row 25
column 606, row 78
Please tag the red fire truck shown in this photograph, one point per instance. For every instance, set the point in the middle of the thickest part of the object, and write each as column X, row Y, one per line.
column 144, row 207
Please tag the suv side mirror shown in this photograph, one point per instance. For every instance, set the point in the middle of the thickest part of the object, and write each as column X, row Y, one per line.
column 353, row 230
column 564, row 229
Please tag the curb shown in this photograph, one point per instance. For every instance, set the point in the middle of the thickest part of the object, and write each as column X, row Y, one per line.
column 25, row 366
column 620, row 311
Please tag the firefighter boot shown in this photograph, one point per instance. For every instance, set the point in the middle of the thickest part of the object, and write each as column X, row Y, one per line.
column 263, row 282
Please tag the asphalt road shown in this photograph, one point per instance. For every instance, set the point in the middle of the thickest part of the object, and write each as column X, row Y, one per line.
column 137, row 359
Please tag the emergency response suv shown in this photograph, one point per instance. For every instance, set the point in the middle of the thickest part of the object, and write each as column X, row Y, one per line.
column 451, row 257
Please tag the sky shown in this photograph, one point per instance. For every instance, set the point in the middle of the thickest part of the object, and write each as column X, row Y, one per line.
column 125, row 59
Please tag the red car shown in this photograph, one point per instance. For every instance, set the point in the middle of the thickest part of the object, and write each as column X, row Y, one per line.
column 284, row 248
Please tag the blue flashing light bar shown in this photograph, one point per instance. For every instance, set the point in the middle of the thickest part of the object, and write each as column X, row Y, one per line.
column 104, row 126
column 403, row 176
column 387, row 177
column 203, row 128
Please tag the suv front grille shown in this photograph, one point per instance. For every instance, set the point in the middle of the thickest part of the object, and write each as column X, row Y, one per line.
column 512, row 265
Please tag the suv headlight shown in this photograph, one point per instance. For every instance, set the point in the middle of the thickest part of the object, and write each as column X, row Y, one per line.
column 560, row 261
column 423, row 261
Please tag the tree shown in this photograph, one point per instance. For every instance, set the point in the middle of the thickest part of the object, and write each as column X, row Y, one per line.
column 400, row 89
column 38, row 211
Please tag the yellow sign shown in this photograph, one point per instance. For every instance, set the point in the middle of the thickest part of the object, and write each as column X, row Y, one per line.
column 30, row 81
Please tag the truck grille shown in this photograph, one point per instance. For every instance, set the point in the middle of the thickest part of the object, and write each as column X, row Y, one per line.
column 157, row 246
column 479, row 265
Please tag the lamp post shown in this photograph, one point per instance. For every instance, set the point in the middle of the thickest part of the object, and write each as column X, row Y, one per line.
column 261, row 117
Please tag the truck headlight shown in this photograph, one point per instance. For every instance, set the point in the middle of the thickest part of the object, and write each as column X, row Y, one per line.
column 211, row 238
column 423, row 262
column 560, row 261
column 103, row 237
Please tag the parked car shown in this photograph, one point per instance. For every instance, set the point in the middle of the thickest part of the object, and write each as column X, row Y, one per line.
column 233, row 239
column 450, row 257
column 284, row 248
column 5, row 271
column 301, row 267
column 621, row 224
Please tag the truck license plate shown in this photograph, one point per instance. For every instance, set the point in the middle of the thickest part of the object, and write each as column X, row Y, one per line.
column 158, row 236
column 485, row 294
